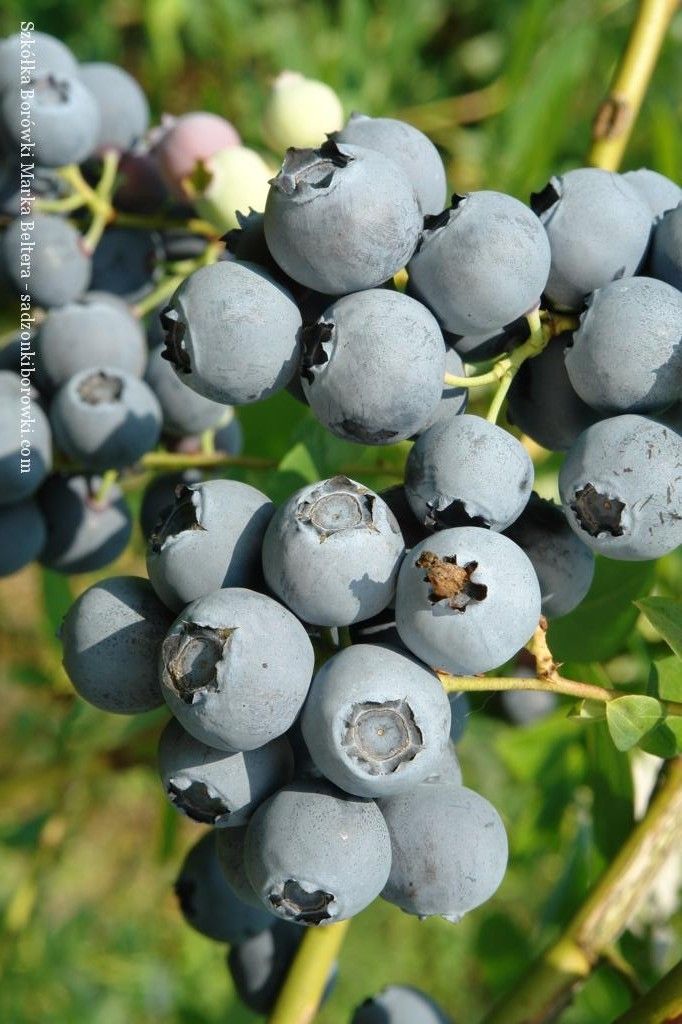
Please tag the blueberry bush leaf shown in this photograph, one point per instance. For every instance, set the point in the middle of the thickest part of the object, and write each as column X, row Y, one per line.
column 665, row 615
column 631, row 717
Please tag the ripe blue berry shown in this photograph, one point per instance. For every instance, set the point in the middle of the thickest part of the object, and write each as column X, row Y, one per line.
column 563, row 564
column 408, row 147
column 315, row 855
column 449, row 850
column 466, row 471
column 341, row 218
column 447, row 770
column 111, row 637
column 259, row 966
column 453, row 401
column 125, row 262
column 376, row 722
column 598, row 229
column 230, row 846
column 64, row 115
column 543, row 403
column 626, row 356
column 96, row 328
column 51, row 55
column 22, row 421
column 620, row 487
column 235, row 669
column 160, row 494
column 665, row 260
column 105, row 418
column 184, row 412
column 460, row 709
column 23, row 532
column 122, row 105
column 373, row 367
column 210, row 538
column 60, row 267
column 658, row 192
column 467, row 600
column 481, row 263
column 332, row 553
column 399, row 1004
column 232, row 333
column 217, row 788
column 83, row 534
column 208, row 903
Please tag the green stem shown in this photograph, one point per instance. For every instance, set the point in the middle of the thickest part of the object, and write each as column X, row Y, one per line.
column 344, row 637
column 301, row 994
column 548, row 986
column 105, row 213
column 208, row 442
column 194, row 225
column 537, row 341
column 109, row 478
column 165, row 288
column 66, row 205
column 203, row 460
column 661, row 1005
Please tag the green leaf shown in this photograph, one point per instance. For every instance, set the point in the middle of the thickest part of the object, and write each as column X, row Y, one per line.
column 631, row 717
column 666, row 678
column 665, row 739
column 589, row 711
column 599, row 627
column 611, row 781
column 665, row 615
column 299, row 460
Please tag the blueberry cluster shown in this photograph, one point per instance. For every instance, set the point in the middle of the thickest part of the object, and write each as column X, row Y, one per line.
column 298, row 648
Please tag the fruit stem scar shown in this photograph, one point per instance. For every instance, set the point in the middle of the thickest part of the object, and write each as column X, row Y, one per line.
column 451, row 582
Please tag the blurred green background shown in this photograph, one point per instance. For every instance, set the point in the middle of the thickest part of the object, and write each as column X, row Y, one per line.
column 91, row 932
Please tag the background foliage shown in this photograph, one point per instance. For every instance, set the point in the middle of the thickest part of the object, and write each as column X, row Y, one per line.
column 89, row 848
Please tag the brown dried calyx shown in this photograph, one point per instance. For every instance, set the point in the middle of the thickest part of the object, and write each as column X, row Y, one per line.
column 451, row 582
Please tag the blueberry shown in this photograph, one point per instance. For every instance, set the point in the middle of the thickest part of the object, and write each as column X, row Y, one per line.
column 23, row 532
column 210, row 538
column 414, row 153
column 626, row 356
column 460, row 709
column 208, row 903
column 467, row 600
column 376, row 722
column 466, row 471
column 341, row 218
column 217, row 788
column 373, row 367
column 230, row 846
column 111, row 637
column 598, row 229
column 125, row 262
column 83, row 534
column 46, row 184
column 315, row 855
column 65, row 119
column 184, row 411
column 60, row 267
column 665, row 261
column 523, row 707
column 96, row 328
column 159, row 496
column 332, row 553
column 658, row 192
column 260, row 965
column 481, row 263
column 447, row 770
column 544, row 404
column 188, row 140
column 233, row 333
column 25, row 440
column 620, row 488
column 563, row 565
column 49, row 53
column 105, row 418
column 229, row 437
column 235, row 669
column 123, row 107
column 399, row 1004
column 299, row 112
column 449, row 850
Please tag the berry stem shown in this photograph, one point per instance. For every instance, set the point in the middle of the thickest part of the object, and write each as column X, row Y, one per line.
column 203, row 460
column 208, row 442
column 662, row 1003
column 344, row 637
column 548, row 986
column 538, row 340
column 105, row 213
column 617, row 115
column 194, row 226
column 547, row 678
column 108, row 480
column 302, row 991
